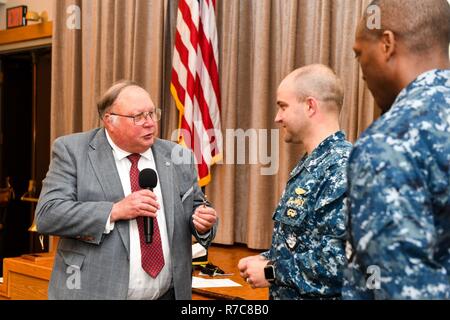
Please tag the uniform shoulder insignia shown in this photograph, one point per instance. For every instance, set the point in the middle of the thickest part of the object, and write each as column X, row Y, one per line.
column 300, row 191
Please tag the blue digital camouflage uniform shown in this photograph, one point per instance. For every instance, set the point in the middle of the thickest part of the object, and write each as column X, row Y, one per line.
column 399, row 198
column 308, row 242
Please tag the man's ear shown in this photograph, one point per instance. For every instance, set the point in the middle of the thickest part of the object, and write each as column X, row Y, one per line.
column 388, row 43
column 311, row 106
column 107, row 121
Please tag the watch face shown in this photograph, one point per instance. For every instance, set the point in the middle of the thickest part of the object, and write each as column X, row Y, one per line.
column 269, row 273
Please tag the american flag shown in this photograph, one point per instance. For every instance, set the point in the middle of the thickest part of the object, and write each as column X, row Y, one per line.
column 195, row 83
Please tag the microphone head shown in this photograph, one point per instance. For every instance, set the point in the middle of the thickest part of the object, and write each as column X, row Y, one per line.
column 148, row 179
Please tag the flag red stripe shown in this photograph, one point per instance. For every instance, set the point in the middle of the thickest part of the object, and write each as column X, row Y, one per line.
column 184, row 57
column 187, row 17
column 183, row 52
column 203, row 105
column 178, row 87
column 209, row 61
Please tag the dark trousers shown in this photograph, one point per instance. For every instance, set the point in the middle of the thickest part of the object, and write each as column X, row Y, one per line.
column 169, row 295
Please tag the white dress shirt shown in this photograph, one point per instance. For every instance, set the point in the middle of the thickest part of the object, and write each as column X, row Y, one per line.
column 141, row 284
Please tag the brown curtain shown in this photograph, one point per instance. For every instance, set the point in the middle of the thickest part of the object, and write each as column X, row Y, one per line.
column 118, row 39
column 260, row 42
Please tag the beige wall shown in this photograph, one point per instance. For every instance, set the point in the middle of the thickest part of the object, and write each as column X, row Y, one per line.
column 33, row 5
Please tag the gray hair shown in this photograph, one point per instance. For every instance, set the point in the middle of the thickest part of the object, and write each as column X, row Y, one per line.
column 320, row 82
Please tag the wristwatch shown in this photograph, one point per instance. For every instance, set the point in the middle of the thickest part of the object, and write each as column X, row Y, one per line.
column 269, row 272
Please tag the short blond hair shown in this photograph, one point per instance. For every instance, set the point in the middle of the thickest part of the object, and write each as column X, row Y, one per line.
column 318, row 81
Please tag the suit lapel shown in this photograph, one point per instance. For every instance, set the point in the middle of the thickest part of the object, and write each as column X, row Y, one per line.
column 102, row 161
column 164, row 166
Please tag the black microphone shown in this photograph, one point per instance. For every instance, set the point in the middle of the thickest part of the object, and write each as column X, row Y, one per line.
column 148, row 180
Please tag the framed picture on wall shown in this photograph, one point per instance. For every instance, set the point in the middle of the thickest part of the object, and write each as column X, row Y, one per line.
column 15, row 17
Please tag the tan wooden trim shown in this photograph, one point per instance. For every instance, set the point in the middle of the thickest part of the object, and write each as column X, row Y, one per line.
column 24, row 279
column 26, row 33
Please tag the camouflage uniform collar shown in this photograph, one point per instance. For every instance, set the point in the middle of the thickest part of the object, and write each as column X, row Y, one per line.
column 310, row 161
column 426, row 79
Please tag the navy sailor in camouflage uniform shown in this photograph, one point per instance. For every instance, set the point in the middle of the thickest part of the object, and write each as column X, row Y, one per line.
column 307, row 255
column 399, row 170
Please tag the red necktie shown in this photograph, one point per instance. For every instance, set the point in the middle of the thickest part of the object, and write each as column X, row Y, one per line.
column 152, row 258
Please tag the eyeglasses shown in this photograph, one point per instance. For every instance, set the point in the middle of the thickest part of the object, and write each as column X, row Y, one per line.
column 140, row 118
